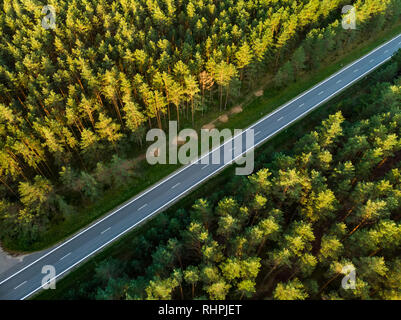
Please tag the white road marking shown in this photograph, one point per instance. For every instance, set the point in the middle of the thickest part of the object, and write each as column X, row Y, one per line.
column 386, row 51
column 143, row 207
column 104, row 231
column 371, row 60
column 257, row 133
column 176, row 185
column 320, row 93
column 20, row 285
column 338, row 81
column 356, row 70
column 218, row 170
column 204, row 167
column 280, row 119
column 185, row 167
column 301, row 105
column 65, row 256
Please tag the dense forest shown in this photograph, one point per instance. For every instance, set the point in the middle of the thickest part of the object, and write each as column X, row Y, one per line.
column 287, row 231
column 75, row 101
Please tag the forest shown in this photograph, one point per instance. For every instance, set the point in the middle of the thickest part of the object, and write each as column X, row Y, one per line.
column 76, row 101
column 286, row 232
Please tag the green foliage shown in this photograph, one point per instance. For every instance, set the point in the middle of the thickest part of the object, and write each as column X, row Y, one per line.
column 291, row 232
column 74, row 96
column 75, row 101
column 292, row 290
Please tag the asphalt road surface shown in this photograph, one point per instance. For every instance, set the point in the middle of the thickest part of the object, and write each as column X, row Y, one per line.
column 25, row 278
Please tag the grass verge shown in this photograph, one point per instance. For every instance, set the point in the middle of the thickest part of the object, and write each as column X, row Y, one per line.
column 281, row 142
column 253, row 110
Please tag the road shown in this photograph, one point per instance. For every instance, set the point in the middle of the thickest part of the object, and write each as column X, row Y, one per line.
column 25, row 278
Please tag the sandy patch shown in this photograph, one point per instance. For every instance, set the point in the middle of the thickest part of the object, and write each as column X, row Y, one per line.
column 156, row 152
column 178, row 141
column 236, row 109
column 259, row 93
column 223, row 118
column 127, row 165
column 140, row 158
column 209, row 126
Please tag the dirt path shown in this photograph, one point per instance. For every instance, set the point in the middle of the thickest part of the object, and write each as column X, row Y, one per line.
column 224, row 118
